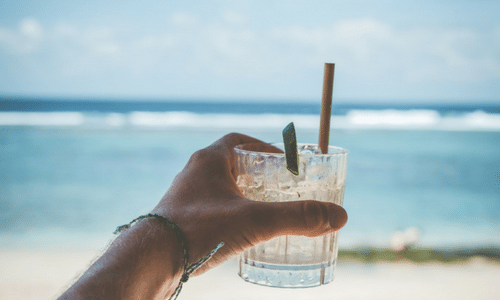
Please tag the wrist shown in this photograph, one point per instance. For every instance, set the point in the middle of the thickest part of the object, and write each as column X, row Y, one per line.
column 159, row 245
column 145, row 262
column 159, row 254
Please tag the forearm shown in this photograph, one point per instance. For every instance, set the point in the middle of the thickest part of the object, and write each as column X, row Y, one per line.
column 144, row 262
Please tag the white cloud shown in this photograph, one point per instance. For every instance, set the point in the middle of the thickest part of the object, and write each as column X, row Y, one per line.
column 370, row 52
column 31, row 29
column 459, row 55
column 371, row 48
column 26, row 39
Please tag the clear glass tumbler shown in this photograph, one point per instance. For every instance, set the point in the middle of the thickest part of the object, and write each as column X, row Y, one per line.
column 292, row 261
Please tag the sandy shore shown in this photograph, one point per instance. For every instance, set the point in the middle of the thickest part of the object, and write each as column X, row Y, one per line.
column 43, row 275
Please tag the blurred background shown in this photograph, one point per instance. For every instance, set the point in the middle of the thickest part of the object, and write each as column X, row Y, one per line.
column 103, row 102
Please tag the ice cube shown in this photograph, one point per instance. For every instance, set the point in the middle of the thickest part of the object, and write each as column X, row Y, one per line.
column 307, row 152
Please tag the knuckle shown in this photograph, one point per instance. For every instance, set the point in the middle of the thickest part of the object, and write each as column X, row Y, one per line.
column 203, row 158
column 315, row 216
column 208, row 160
column 232, row 135
column 198, row 156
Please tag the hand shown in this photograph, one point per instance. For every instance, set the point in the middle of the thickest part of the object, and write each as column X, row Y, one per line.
column 145, row 262
column 208, row 206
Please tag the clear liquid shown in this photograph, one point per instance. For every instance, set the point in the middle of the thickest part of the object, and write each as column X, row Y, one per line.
column 291, row 261
column 297, row 250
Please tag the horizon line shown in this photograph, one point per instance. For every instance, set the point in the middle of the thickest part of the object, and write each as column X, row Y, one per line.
column 270, row 100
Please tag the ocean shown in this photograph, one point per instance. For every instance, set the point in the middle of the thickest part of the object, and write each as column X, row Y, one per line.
column 73, row 170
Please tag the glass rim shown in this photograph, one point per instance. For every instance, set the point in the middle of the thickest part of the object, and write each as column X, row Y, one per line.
column 339, row 150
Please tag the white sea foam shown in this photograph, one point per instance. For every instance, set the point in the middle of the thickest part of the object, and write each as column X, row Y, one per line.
column 220, row 121
column 480, row 119
column 393, row 118
column 354, row 119
column 419, row 120
column 112, row 120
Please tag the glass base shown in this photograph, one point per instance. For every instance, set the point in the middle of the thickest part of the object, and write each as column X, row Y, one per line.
column 286, row 276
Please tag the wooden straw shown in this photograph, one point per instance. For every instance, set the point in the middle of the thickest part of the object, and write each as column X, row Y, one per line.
column 326, row 108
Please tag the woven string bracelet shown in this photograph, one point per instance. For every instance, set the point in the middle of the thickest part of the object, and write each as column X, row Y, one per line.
column 181, row 238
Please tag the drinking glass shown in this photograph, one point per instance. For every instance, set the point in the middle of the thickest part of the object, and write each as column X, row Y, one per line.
column 292, row 261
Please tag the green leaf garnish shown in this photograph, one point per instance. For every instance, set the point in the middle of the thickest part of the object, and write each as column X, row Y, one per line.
column 291, row 154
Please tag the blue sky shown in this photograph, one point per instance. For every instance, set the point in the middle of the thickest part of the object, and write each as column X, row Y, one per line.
column 413, row 51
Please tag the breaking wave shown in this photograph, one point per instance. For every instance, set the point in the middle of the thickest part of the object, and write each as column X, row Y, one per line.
column 353, row 119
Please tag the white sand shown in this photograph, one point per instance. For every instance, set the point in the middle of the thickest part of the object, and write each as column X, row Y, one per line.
column 42, row 275
column 39, row 275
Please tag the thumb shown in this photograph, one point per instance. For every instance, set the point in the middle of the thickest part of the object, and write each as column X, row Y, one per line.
column 308, row 218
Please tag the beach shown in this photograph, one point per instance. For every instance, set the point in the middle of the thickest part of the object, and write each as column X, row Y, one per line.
column 66, row 186
column 104, row 108
column 44, row 275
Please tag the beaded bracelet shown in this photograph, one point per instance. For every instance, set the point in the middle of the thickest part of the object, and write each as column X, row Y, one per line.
column 181, row 238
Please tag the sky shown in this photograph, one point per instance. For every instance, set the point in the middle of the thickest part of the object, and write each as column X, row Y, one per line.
column 384, row 51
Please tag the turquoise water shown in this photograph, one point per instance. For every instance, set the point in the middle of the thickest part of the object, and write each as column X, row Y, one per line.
column 70, row 186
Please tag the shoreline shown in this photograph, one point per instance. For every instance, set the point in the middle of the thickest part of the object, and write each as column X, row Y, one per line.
column 46, row 274
column 420, row 255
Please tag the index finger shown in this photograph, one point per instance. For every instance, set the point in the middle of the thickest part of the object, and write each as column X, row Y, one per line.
column 226, row 144
column 231, row 140
column 260, row 147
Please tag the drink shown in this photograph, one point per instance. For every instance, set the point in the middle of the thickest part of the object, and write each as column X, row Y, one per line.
column 292, row 261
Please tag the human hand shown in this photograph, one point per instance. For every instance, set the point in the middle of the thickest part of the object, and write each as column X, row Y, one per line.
column 208, row 206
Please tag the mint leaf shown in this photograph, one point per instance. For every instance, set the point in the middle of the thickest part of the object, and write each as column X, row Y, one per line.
column 291, row 154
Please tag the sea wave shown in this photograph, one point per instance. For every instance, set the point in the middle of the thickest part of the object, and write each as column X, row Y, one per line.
column 222, row 121
column 353, row 119
column 422, row 119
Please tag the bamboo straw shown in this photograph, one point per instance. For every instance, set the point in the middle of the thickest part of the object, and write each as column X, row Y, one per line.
column 326, row 108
